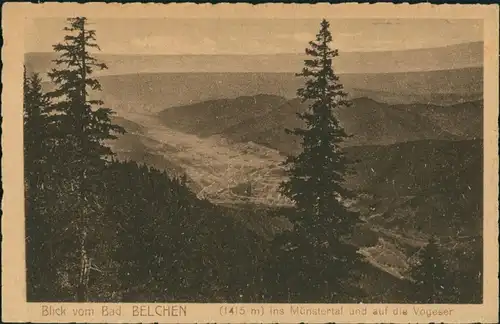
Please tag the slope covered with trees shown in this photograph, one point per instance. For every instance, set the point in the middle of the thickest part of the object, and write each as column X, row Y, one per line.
column 99, row 229
column 369, row 122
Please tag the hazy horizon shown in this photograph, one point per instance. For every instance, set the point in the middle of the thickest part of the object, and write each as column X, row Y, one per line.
column 261, row 36
column 420, row 60
column 271, row 54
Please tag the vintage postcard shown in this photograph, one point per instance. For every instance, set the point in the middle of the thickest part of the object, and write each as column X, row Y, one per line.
column 234, row 163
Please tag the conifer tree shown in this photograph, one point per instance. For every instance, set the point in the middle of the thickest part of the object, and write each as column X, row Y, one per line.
column 431, row 279
column 82, row 126
column 36, row 165
column 36, row 123
column 321, row 221
column 82, row 121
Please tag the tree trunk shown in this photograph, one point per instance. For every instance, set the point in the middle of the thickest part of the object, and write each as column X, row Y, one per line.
column 81, row 293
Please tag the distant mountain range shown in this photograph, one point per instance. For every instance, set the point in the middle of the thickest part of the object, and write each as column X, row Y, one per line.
column 262, row 119
column 151, row 83
column 428, row 59
column 152, row 93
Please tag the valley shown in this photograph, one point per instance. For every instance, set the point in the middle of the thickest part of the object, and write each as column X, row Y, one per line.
column 406, row 191
column 215, row 166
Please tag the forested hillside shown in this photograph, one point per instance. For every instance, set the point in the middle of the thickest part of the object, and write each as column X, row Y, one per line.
column 102, row 230
column 262, row 120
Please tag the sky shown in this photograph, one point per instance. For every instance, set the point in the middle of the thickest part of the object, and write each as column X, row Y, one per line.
column 256, row 36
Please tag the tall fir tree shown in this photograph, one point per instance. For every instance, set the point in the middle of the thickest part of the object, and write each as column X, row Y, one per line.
column 82, row 126
column 431, row 279
column 83, row 122
column 322, row 224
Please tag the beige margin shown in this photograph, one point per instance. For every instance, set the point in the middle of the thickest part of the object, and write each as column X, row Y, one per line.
column 15, row 15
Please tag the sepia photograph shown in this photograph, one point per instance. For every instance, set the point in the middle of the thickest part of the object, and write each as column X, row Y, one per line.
column 289, row 160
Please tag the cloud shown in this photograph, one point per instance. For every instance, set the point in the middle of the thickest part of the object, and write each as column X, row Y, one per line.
column 152, row 44
column 299, row 37
column 344, row 34
column 304, row 37
column 386, row 22
column 255, row 46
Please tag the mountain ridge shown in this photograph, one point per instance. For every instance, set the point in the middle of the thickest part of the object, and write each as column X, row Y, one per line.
column 155, row 92
column 370, row 121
